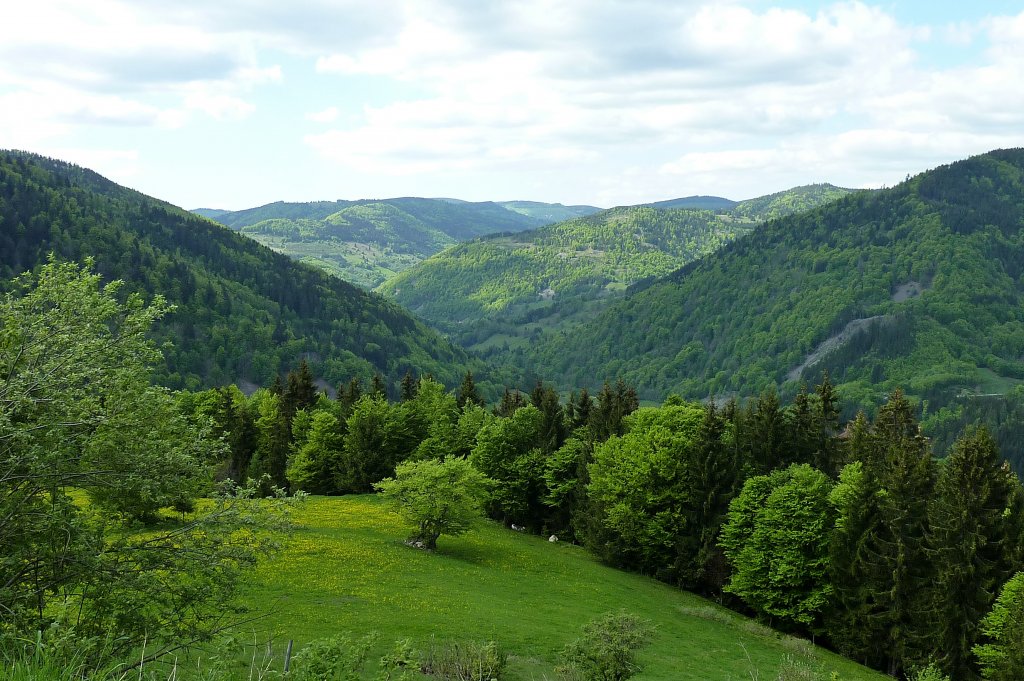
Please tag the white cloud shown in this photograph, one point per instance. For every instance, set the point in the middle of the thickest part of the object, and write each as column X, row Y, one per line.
column 328, row 115
column 684, row 92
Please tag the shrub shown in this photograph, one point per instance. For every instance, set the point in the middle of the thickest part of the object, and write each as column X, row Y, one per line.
column 607, row 649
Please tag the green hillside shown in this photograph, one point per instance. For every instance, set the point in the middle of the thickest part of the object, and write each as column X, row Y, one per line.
column 365, row 242
column 509, row 289
column 347, row 570
column 244, row 313
column 917, row 286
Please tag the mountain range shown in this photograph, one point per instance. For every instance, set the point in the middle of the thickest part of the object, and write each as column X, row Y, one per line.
column 367, row 241
column 507, row 290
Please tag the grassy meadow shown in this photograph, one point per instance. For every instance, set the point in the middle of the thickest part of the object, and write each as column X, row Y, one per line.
column 347, row 571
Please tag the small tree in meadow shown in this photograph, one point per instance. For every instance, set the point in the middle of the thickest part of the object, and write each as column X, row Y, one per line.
column 607, row 649
column 439, row 497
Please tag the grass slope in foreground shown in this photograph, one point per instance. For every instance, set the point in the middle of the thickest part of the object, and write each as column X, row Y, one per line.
column 347, row 570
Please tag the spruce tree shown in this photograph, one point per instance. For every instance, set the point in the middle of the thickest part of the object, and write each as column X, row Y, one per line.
column 827, row 455
column 885, row 620
column 409, row 387
column 467, row 392
column 970, row 545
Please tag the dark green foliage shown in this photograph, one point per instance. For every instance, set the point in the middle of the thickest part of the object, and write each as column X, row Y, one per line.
column 508, row 450
column 878, row 552
column 243, row 312
column 972, row 543
column 467, row 393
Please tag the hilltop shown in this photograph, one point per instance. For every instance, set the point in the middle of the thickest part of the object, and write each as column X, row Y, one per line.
column 244, row 313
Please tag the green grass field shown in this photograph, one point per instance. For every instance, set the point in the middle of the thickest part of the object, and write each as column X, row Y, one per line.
column 347, row 571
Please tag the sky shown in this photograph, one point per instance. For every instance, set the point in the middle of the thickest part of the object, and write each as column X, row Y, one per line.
column 237, row 103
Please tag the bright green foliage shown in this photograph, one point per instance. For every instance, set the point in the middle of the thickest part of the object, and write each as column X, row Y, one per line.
column 659, row 494
column 1001, row 657
column 776, row 538
column 77, row 412
column 314, row 466
column 508, row 451
column 438, row 497
column 273, row 439
column 340, row 658
column 607, row 650
column 377, row 438
column 565, row 479
column 244, row 313
column 504, row 285
column 972, row 546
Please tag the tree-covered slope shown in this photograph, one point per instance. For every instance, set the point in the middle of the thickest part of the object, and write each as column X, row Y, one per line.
column 795, row 200
column 549, row 212
column 508, row 289
column 482, row 288
column 244, row 313
column 917, row 286
column 367, row 241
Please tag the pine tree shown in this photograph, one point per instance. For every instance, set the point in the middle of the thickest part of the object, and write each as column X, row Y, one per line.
column 884, row 621
column 971, row 546
column 300, row 392
column 409, row 387
column 467, row 392
column 511, row 401
column 378, row 388
column 768, row 434
column 827, row 455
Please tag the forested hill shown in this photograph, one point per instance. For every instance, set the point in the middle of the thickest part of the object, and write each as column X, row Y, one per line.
column 244, row 313
column 366, row 241
column 509, row 289
column 918, row 286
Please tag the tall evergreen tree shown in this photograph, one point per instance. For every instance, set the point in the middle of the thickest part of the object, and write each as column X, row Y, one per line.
column 971, row 547
column 827, row 455
column 511, row 401
column 768, row 434
column 378, row 388
column 467, row 392
column 409, row 386
column 885, row 619
column 300, row 391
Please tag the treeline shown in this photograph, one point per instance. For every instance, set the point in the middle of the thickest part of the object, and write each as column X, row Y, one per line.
column 852, row 533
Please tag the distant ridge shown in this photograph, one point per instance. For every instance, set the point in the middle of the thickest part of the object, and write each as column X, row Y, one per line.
column 698, row 202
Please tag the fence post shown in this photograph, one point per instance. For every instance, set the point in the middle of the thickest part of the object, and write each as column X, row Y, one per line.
column 288, row 656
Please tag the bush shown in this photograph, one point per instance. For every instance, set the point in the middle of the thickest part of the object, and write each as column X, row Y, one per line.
column 335, row 659
column 465, row 661
column 607, row 649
